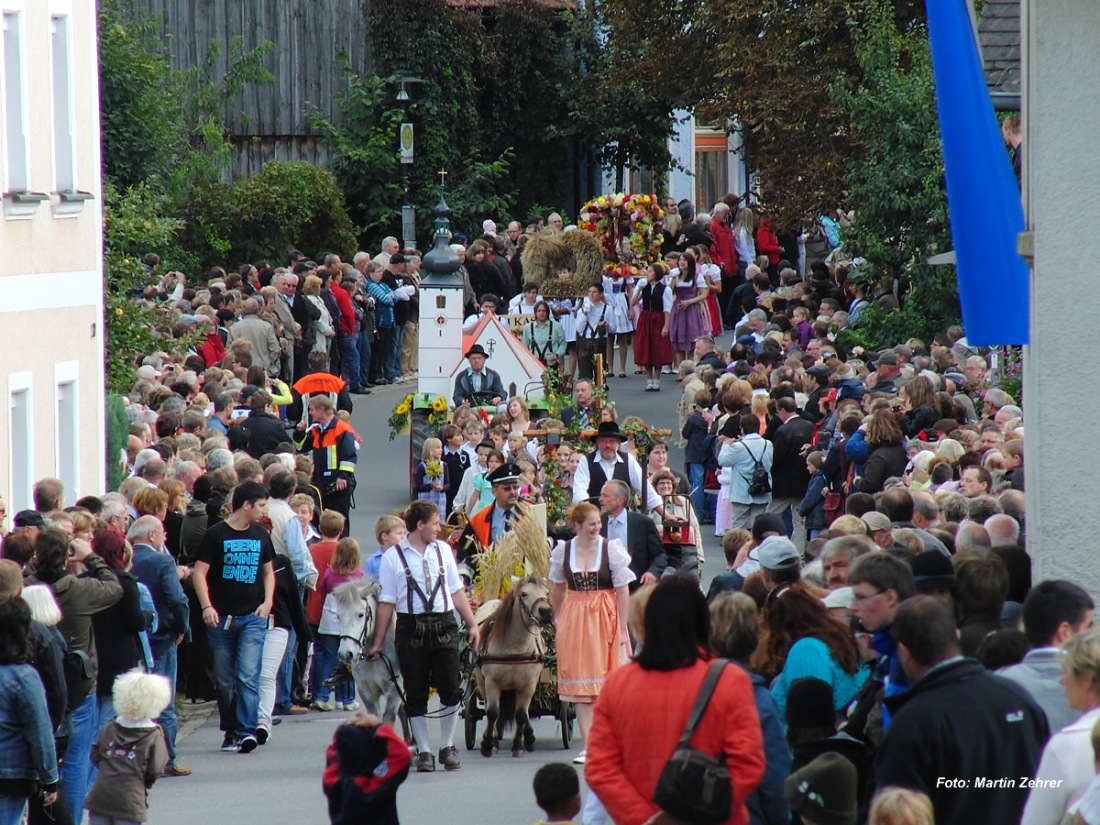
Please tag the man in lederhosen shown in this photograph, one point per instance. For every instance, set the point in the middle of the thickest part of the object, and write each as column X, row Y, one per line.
column 420, row 581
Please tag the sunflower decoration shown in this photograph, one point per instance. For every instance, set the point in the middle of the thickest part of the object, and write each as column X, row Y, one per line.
column 438, row 413
column 627, row 227
column 399, row 418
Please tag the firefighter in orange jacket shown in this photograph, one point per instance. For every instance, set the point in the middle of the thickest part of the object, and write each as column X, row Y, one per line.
column 335, row 454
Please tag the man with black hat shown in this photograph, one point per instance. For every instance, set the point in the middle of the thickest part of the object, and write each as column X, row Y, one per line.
column 29, row 523
column 478, row 380
column 609, row 461
column 490, row 523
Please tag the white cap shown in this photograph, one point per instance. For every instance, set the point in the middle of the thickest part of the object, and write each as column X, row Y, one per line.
column 841, row 597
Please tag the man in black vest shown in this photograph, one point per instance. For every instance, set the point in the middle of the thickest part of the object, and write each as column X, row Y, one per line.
column 610, row 462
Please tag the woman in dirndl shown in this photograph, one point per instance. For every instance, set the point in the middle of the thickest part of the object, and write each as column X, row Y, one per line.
column 712, row 274
column 686, row 319
column 589, row 575
column 652, row 348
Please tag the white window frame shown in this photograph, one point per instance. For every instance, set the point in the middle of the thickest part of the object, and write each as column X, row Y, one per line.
column 19, row 382
column 63, row 109
column 66, row 378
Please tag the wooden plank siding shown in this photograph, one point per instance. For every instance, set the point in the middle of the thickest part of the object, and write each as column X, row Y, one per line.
column 271, row 122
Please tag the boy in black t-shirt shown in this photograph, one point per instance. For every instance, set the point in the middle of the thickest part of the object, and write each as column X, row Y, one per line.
column 234, row 580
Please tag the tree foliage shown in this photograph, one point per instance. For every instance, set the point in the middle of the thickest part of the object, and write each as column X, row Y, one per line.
column 896, row 181
column 281, row 207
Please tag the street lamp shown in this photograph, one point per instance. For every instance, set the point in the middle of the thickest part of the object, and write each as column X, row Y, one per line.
column 408, row 156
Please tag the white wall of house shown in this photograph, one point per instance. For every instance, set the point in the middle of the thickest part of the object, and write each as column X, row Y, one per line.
column 51, row 269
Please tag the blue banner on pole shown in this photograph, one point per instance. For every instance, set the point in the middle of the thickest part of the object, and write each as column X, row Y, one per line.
column 982, row 194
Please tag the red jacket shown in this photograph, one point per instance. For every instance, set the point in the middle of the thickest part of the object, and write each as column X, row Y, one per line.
column 347, row 312
column 723, row 251
column 212, row 349
column 767, row 243
column 639, row 719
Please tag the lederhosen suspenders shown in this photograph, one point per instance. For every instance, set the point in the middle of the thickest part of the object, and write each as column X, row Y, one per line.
column 412, row 584
column 541, row 352
column 588, row 328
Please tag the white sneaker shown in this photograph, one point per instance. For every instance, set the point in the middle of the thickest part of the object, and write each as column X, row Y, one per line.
column 349, row 706
column 579, row 759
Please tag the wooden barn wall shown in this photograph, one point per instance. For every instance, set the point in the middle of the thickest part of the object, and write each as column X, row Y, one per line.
column 271, row 122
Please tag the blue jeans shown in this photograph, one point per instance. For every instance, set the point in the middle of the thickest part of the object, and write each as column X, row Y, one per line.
column 284, row 698
column 74, row 767
column 364, row 359
column 237, row 646
column 12, row 808
column 326, row 653
column 696, row 476
column 165, row 659
column 349, row 358
column 393, row 357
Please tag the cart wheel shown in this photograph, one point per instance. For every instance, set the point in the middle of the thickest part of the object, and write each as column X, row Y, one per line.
column 565, row 716
column 469, row 713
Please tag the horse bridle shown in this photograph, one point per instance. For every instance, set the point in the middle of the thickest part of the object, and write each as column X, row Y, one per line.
column 529, row 612
column 368, row 621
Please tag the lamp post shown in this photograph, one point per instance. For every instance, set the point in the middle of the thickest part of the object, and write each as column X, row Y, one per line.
column 407, row 139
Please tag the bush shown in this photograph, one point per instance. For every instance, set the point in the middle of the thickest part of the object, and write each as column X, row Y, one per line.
column 282, row 207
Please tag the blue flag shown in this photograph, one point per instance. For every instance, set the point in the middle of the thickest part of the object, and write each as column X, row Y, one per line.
column 982, row 195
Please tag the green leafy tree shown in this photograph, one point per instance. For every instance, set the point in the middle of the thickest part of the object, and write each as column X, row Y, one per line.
column 134, row 223
column 281, row 207
column 897, row 181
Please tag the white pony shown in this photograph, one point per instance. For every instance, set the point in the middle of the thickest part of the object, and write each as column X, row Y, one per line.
column 376, row 682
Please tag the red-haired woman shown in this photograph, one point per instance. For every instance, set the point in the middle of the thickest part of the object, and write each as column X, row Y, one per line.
column 804, row 639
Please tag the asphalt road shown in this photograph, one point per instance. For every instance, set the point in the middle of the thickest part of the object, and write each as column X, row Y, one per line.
column 281, row 781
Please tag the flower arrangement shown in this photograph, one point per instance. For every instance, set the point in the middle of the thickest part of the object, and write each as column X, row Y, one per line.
column 627, row 227
column 434, row 469
column 439, row 411
column 399, row 418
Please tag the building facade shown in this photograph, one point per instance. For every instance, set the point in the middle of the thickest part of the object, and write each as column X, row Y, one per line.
column 51, row 235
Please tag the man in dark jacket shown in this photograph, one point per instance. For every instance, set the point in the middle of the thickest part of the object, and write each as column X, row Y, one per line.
column 157, row 570
column 265, row 431
column 636, row 531
column 965, row 737
column 790, row 478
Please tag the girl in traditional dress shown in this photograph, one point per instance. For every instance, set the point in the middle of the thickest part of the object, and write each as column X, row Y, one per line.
column 686, row 319
column 429, row 487
column 652, row 348
column 712, row 274
column 590, row 576
column 617, row 292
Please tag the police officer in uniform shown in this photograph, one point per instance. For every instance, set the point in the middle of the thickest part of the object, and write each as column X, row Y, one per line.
column 420, row 581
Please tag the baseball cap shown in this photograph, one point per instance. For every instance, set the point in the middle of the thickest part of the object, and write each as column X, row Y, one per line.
column 777, row 553
column 889, row 358
column 29, row 518
column 876, row 521
column 841, row 597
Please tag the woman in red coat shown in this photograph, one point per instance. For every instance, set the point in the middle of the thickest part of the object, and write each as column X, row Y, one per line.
column 767, row 243
column 644, row 706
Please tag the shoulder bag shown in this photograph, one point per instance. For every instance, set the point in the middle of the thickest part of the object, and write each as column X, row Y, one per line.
column 694, row 786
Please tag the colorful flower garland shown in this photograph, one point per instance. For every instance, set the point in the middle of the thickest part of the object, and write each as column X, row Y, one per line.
column 633, row 218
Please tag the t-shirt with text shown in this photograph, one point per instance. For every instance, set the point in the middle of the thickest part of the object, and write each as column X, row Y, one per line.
column 236, row 559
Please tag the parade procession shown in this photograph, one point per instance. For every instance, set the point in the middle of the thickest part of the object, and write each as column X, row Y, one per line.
column 437, row 411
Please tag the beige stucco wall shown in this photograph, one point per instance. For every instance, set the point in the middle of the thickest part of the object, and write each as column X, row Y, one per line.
column 51, row 279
